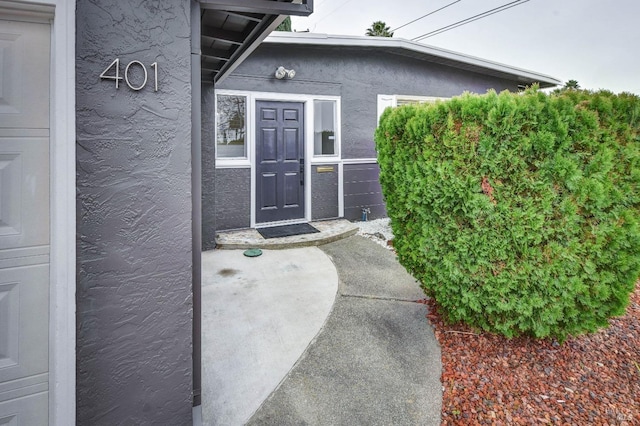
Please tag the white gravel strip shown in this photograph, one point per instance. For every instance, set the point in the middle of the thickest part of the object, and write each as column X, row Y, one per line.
column 378, row 230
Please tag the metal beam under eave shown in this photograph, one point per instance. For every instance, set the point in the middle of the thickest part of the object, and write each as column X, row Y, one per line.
column 254, row 38
column 216, row 54
column 208, row 71
column 255, row 17
column 268, row 7
column 223, row 35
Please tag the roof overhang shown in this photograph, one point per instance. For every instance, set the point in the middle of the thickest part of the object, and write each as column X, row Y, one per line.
column 232, row 29
column 419, row 51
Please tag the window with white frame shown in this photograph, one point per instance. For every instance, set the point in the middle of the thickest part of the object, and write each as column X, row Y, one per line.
column 231, row 134
column 324, row 128
column 235, row 130
column 386, row 101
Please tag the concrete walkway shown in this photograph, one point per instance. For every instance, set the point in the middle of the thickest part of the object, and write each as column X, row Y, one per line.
column 258, row 317
column 374, row 362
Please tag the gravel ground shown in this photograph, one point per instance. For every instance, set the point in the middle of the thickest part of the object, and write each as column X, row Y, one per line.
column 488, row 379
column 377, row 230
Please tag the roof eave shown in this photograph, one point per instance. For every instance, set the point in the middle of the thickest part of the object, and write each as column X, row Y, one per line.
column 471, row 63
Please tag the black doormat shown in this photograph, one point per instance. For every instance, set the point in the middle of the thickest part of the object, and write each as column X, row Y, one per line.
column 287, row 230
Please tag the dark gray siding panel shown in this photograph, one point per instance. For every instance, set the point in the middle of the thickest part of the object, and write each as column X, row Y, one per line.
column 233, row 198
column 134, row 298
column 362, row 190
column 324, row 193
column 366, row 186
column 208, row 168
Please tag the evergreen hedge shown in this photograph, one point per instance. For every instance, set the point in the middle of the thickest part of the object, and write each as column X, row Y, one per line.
column 518, row 213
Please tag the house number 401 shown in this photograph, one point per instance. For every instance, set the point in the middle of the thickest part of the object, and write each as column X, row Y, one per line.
column 112, row 72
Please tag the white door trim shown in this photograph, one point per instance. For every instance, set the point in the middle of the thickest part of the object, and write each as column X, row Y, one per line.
column 62, row 328
column 62, row 344
column 62, row 336
column 307, row 114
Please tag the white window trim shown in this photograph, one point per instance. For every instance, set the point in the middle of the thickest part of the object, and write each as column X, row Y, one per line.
column 371, row 160
column 326, row 158
column 234, row 162
column 420, row 99
column 386, row 101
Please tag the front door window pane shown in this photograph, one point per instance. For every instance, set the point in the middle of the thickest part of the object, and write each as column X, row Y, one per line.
column 232, row 126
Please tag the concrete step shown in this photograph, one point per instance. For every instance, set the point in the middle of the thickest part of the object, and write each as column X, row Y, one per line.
column 330, row 231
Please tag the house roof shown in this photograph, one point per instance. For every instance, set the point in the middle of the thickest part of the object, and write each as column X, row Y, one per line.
column 419, row 51
column 231, row 29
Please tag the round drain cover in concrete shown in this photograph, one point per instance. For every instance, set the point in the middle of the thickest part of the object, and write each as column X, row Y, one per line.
column 254, row 252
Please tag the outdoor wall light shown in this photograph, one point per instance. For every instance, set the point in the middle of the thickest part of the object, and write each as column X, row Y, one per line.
column 282, row 72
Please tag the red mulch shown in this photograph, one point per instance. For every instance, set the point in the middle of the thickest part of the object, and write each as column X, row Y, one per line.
column 588, row 380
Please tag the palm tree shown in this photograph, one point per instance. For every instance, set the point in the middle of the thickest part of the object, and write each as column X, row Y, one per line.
column 571, row 85
column 379, row 29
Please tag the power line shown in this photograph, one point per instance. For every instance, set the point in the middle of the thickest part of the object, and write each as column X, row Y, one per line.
column 470, row 19
column 332, row 12
column 424, row 16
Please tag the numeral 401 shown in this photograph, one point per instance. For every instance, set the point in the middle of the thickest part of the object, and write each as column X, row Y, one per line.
column 114, row 69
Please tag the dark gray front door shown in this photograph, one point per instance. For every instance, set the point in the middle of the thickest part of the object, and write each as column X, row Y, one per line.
column 279, row 161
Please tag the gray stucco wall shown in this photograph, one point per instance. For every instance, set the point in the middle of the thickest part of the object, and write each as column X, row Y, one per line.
column 324, row 192
column 134, row 298
column 358, row 76
column 233, row 198
column 208, row 114
column 362, row 190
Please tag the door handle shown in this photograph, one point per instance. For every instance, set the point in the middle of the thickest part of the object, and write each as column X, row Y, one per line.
column 302, row 171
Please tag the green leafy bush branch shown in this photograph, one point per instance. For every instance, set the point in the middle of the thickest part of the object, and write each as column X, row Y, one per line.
column 519, row 212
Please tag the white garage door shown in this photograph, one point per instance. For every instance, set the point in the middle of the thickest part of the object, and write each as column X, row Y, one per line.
column 24, row 222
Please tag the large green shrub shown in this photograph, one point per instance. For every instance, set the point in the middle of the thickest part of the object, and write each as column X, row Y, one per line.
column 518, row 213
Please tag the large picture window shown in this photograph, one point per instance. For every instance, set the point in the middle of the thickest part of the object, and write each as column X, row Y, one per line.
column 231, row 136
column 324, row 124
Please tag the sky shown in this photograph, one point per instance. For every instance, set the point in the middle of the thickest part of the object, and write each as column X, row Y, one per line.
column 596, row 42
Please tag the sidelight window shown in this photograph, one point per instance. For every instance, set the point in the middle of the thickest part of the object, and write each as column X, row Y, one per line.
column 231, row 135
column 324, row 128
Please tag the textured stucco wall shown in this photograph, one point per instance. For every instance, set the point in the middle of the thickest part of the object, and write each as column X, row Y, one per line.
column 358, row 76
column 208, row 168
column 324, row 192
column 362, row 190
column 134, row 298
column 233, row 198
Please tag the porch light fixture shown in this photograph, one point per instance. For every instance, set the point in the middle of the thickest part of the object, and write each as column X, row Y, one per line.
column 282, row 72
